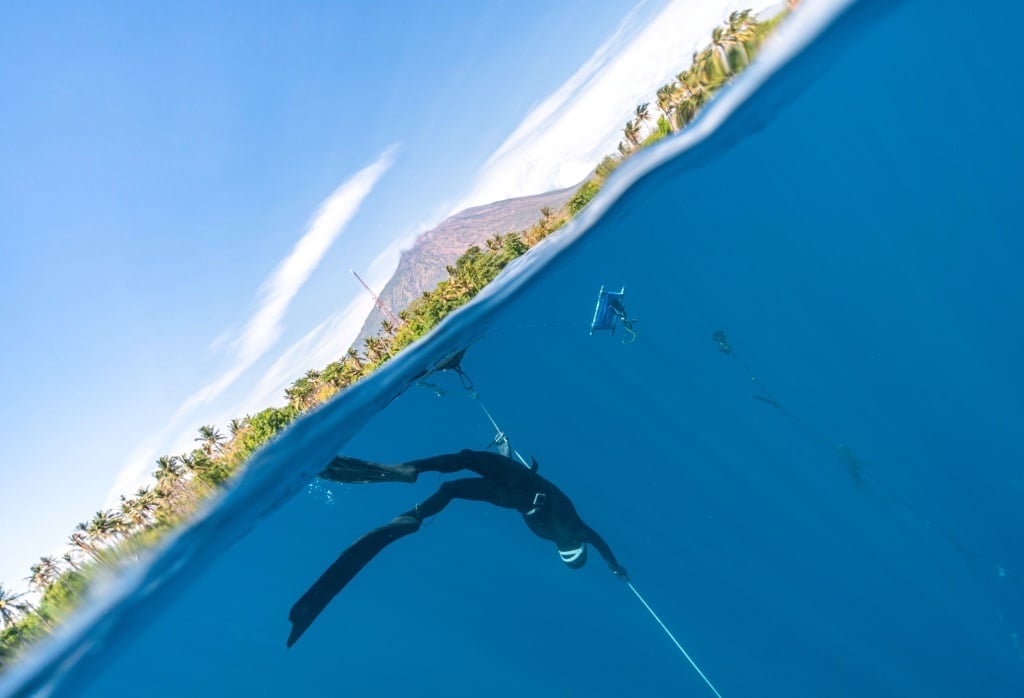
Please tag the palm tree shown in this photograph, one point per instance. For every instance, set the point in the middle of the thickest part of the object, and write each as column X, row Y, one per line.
column 603, row 170
column 352, row 370
column 80, row 541
column 44, row 574
column 303, row 392
column 50, row 567
column 668, row 97
column 103, row 526
column 11, row 606
column 376, row 349
column 25, row 606
column 719, row 50
column 740, row 38
column 694, row 94
column 168, row 474
column 146, row 501
column 199, row 465
column 69, row 558
column 632, row 133
column 133, row 512
column 742, row 24
column 171, row 489
column 298, row 394
column 642, row 114
column 48, row 571
column 38, row 579
column 211, row 438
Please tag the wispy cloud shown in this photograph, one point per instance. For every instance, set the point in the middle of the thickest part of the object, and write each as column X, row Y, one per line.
column 265, row 325
column 329, row 340
column 325, row 343
column 564, row 137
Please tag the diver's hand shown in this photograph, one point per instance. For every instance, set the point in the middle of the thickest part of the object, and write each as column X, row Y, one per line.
column 619, row 571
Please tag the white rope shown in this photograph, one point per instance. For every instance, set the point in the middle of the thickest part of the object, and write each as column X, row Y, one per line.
column 673, row 638
column 500, row 436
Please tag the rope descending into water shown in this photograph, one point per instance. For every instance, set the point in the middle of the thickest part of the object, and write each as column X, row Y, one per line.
column 500, row 437
column 673, row 638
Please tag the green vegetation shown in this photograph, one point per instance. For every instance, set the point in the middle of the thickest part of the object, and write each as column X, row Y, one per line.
column 184, row 481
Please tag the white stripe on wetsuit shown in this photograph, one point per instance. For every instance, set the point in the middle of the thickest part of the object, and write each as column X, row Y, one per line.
column 571, row 555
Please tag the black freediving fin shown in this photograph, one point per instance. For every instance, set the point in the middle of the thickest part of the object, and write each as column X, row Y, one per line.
column 344, row 569
column 358, row 471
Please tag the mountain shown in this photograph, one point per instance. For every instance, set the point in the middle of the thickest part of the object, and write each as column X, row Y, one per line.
column 423, row 266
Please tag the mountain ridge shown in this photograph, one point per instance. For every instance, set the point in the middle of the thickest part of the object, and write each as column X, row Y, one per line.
column 423, row 265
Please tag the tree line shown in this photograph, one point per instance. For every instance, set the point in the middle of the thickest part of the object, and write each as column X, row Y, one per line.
column 182, row 482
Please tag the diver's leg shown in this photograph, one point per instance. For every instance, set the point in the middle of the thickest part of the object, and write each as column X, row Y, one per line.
column 356, row 470
column 492, row 466
column 472, row 488
column 489, row 465
column 342, row 571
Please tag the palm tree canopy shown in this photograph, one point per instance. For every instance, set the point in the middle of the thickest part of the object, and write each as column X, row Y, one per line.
column 11, row 606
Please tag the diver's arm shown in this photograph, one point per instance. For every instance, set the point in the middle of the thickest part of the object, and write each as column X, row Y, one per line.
column 594, row 538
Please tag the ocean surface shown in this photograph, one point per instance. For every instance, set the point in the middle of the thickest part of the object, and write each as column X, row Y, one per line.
column 833, row 508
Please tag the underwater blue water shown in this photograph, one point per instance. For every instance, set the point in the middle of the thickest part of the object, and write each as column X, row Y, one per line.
column 853, row 229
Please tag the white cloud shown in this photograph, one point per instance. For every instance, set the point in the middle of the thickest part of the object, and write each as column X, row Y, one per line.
column 329, row 340
column 325, row 343
column 265, row 325
column 564, row 137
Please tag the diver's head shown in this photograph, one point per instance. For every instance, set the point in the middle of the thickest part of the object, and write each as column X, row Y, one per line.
column 574, row 556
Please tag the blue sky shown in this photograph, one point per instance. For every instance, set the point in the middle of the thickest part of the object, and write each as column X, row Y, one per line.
column 184, row 189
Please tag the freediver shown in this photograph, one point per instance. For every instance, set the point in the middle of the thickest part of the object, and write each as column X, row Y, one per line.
column 615, row 303
column 502, row 481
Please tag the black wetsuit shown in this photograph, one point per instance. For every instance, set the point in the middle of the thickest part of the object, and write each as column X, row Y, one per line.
column 505, row 483
column 502, row 482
